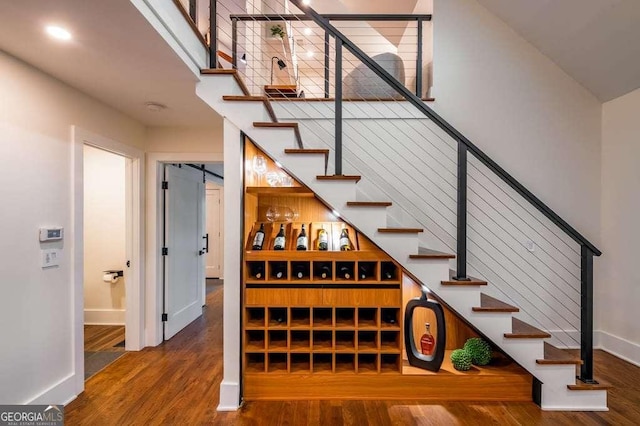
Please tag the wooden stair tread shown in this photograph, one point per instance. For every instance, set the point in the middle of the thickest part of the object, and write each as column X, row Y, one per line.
column 425, row 253
column 400, row 230
column 522, row 330
column 555, row 356
column 262, row 99
column 280, row 125
column 472, row 281
column 224, row 71
column 339, row 177
column 491, row 304
column 306, row 151
column 369, row 203
column 580, row 386
column 350, row 99
column 283, row 91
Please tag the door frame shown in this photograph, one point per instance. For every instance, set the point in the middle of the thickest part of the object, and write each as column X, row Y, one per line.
column 153, row 243
column 134, row 315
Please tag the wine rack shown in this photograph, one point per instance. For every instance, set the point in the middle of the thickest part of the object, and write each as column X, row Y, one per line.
column 321, row 340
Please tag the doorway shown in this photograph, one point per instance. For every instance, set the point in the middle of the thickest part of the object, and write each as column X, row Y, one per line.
column 105, row 257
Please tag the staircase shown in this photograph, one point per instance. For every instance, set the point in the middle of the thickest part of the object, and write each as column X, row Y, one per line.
column 555, row 385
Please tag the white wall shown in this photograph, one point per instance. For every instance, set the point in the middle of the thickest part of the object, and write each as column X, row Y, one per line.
column 618, row 292
column 520, row 108
column 36, row 115
column 104, row 236
column 185, row 139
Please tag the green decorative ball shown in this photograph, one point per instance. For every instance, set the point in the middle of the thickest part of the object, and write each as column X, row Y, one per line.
column 479, row 350
column 461, row 360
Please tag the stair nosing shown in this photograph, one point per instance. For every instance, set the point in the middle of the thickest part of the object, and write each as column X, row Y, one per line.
column 400, row 230
column 339, row 177
column 369, row 203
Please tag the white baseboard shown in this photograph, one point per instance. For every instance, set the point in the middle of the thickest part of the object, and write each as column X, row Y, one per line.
column 104, row 316
column 62, row 392
column 229, row 396
column 617, row 346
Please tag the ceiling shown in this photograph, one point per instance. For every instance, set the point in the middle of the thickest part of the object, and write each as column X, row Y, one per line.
column 597, row 42
column 115, row 56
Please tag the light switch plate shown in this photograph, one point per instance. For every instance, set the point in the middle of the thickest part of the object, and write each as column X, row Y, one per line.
column 50, row 257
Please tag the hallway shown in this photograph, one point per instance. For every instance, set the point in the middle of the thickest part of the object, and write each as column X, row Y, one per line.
column 178, row 383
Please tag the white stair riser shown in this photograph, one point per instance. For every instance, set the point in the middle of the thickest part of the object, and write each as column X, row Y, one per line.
column 211, row 89
column 304, row 167
column 459, row 298
column 272, row 140
column 368, row 219
column 335, row 193
column 561, row 398
column 398, row 246
column 244, row 114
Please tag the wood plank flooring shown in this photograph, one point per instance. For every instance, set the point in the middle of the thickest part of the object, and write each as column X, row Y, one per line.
column 178, row 383
column 103, row 338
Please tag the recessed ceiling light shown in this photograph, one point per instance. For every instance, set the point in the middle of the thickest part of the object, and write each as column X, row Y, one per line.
column 58, row 32
column 155, row 106
column 310, row 54
column 307, row 2
column 308, row 31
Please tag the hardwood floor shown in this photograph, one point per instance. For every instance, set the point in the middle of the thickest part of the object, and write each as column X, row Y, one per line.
column 178, row 383
column 103, row 338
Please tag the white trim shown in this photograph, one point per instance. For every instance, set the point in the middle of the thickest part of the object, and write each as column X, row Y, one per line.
column 229, row 396
column 617, row 346
column 135, row 293
column 59, row 393
column 104, row 317
column 153, row 297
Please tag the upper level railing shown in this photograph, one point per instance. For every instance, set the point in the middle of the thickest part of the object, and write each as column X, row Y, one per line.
column 479, row 183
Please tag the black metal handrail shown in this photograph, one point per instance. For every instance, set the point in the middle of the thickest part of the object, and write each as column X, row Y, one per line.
column 588, row 250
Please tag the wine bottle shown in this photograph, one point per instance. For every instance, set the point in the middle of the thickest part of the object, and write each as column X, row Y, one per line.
column 301, row 242
column 364, row 271
column 257, row 270
column 345, row 243
column 279, row 242
column 300, row 270
column 427, row 342
column 323, row 239
column 279, row 270
column 344, row 272
column 388, row 271
column 324, row 271
column 388, row 317
column 258, row 240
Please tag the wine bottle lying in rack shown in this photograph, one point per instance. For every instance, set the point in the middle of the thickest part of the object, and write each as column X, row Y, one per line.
column 257, row 270
column 365, row 271
column 323, row 270
column 279, row 270
column 344, row 272
column 300, row 270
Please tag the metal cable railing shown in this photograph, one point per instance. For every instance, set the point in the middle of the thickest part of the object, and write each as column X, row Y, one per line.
column 499, row 230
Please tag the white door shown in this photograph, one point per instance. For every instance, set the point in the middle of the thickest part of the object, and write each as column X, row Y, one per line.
column 184, row 260
column 214, row 231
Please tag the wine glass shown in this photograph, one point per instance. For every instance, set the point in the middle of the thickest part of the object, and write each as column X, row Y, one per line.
column 273, row 178
column 285, row 179
column 259, row 166
column 288, row 214
column 272, row 214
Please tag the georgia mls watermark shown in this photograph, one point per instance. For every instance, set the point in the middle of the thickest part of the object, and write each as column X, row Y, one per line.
column 31, row 415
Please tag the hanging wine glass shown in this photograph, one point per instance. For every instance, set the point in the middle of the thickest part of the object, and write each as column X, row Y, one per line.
column 295, row 214
column 259, row 166
column 285, row 179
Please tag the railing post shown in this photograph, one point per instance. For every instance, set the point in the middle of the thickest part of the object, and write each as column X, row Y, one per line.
column 461, row 255
column 419, row 61
column 234, row 43
column 326, row 64
column 586, row 315
column 213, row 33
column 338, row 106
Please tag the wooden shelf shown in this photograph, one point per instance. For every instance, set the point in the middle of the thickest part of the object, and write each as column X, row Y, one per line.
column 299, row 191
